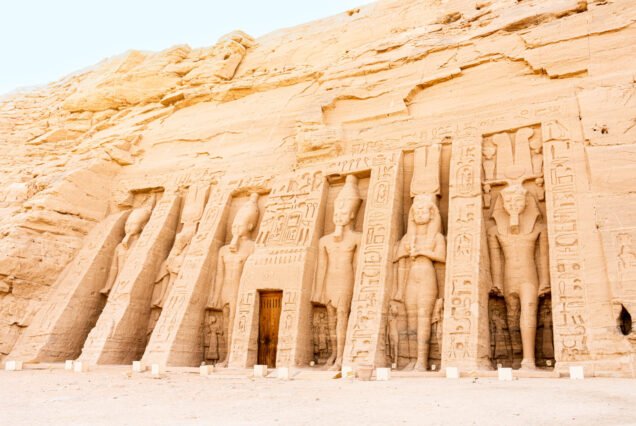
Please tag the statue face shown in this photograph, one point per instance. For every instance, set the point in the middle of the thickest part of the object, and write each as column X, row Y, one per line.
column 514, row 202
column 241, row 228
column 421, row 210
column 343, row 213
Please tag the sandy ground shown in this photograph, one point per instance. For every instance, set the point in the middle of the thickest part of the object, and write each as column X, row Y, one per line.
column 55, row 396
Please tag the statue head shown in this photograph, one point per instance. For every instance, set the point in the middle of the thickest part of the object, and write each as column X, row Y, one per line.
column 514, row 203
column 424, row 211
column 516, row 210
column 136, row 222
column 245, row 221
column 346, row 205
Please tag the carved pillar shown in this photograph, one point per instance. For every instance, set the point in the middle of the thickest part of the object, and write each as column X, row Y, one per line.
column 176, row 339
column 382, row 226
column 62, row 323
column 119, row 337
column 465, row 343
column 284, row 259
column 585, row 332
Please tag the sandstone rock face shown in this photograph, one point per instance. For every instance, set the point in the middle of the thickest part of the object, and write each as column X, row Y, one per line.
column 485, row 153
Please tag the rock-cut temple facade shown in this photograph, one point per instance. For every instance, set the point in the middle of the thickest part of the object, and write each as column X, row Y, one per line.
column 415, row 184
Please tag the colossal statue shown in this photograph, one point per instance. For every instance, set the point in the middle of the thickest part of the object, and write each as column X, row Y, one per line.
column 417, row 287
column 518, row 246
column 168, row 272
column 335, row 277
column 134, row 225
column 231, row 260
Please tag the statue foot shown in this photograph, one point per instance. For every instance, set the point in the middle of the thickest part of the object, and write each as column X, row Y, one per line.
column 409, row 366
column 528, row 364
column 105, row 291
column 337, row 366
column 421, row 366
column 222, row 364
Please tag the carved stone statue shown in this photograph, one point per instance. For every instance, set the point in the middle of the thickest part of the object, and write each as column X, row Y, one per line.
column 168, row 272
column 518, row 246
column 133, row 227
column 393, row 332
column 422, row 245
column 231, row 260
column 212, row 338
column 335, row 277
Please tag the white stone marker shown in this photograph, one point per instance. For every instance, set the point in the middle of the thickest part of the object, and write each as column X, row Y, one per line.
column 80, row 367
column 382, row 374
column 138, row 367
column 347, row 372
column 260, row 370
column 282, row 373
column 576, row 373
column 452, row 373
column 13, row 365
column 156, row 370
column 206, row 370
column 68, row 365
column 504, row 374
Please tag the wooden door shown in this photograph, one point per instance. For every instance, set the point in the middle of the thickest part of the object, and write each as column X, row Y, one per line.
column 269, row 319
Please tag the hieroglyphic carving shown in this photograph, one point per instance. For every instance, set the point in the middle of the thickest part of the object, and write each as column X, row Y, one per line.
column 568, row 289
column 176, row 339
column 60, row 327
column 371, row 293
column 119, row 337
column 466, row 300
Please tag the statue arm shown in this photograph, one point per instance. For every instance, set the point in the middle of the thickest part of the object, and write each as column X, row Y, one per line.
column 112, row 274
column 439, row 253
column 496, row 261
column 402, row 276
column 319, row 283
column 543, row 264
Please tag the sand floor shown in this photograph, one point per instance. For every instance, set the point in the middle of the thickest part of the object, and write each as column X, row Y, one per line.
column 115, row 396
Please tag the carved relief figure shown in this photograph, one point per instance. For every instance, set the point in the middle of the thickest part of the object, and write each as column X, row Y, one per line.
column 422, row 245
column 393, row 333
column 231, row 260
column 488, row 164
column 211, row 339
column 133, row 227
column 336, row 268
column 518, row 246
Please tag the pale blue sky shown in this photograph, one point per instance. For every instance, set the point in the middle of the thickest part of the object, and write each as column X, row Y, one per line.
column 43, row 40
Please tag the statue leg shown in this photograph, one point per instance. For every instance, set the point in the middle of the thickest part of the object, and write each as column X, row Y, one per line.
column 152, row 322
column 513, row 310
column 528, row 320
column 411, row 333
column 341, row 334
column 426, row 304
column 332, row 321
column 228, row 323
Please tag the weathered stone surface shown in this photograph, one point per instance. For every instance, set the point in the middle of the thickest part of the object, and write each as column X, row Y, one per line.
column 538, row 96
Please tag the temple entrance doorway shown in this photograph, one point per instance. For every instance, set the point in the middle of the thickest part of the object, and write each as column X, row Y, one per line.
column 269, row 319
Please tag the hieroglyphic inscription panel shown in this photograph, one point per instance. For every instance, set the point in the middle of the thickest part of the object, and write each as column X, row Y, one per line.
column 465, row 342
column 566, row 262
column 365, row 334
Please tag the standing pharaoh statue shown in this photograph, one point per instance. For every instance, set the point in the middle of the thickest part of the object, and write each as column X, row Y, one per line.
column 231, row 260
column 518, row 246
column 168, row 272
column 133, row 227
column 336, row 268
column 417, row 286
